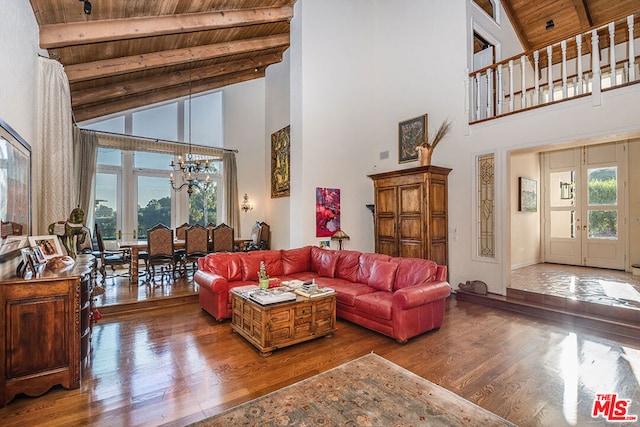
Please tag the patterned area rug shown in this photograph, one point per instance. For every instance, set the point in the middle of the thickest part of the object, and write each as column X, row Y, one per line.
column 369, row 391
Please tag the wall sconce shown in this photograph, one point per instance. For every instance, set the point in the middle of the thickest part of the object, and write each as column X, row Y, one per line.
column 340, row 236
column 246, row 206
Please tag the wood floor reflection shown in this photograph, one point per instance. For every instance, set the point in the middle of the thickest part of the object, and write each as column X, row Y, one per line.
column 174, row 365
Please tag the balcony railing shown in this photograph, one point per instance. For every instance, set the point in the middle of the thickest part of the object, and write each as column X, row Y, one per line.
column 602, row 58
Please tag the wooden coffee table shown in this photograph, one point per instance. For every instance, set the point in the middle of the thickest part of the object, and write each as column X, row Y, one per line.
column 273, row 326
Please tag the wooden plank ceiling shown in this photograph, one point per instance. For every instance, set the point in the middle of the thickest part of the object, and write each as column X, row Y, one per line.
column 131, row 53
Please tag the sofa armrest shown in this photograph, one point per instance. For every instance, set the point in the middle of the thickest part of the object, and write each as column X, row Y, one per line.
column 415, row 296
column 215, row 282
column 441, row 274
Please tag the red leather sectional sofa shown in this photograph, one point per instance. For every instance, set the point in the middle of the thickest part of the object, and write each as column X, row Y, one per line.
column 398, row 297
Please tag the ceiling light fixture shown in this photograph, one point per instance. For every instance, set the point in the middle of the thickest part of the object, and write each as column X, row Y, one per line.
column 191, row 166
column 550, row 25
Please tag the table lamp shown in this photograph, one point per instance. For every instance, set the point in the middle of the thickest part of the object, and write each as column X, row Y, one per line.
column 340, row 236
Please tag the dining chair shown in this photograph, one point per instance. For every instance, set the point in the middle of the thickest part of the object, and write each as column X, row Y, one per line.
column 160, row 252
column 111, row 258
column 196, row 245
column 223, row 238
column 253, row 244
column 181, row 235
column 210, row 227
column 265, row 236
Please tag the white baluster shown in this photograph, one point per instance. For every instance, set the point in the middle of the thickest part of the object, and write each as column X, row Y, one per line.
column 563, row 46
column 612, row 53
column 523, row 87
column 574, row 84
column 632, row 55
column 596, row 77
column 536, row 78
column 490, row 92
column 550, row 72
column 511, row 85
column 500, row 92
column 579, row 62
column 625, row 72
column 478, row 101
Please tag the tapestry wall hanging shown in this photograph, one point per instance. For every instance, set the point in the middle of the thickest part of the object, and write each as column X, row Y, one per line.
column 327, row 211
column 280, row 155
column 411, row 134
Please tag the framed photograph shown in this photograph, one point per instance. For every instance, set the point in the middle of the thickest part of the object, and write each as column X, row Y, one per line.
column 49, row 245
column 28, row 261
column 528, row 195
column 39, row 255
column 280, row 156
column 411, row 133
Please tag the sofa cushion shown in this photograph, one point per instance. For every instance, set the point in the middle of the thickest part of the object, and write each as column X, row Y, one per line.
column 347, row 292
column 273, row 262
column 376, row 304
column 347, row 265
column 225, row 264
column 365, row 264
column 412, row 271
column 251, row 265
column 296, row 260
column 383, row 274
column 324, row 261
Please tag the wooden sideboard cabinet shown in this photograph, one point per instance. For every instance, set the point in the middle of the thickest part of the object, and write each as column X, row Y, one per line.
column 46, row 328
column 410, row 213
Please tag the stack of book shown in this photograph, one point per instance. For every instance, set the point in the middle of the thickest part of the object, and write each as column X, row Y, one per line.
column 311, row 290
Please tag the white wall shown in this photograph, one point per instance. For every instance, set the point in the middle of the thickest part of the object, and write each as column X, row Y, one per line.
column 244, row 124
column 18, row 69
column 277, row 95
column 525, row 237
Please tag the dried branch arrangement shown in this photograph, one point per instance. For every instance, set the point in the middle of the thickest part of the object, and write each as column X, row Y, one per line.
column 425, row 149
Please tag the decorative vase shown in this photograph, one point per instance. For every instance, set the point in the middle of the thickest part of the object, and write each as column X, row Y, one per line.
column 424, row 155
column 264, row 283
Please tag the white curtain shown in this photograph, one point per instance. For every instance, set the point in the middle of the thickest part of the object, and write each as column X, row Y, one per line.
column 56, row 190
column 86, row 155
column 230, row 178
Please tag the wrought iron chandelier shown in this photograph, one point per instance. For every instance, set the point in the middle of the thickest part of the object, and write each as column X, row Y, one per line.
column 191, row 166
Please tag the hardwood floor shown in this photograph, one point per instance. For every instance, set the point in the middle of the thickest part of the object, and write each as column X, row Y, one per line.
column 174, row 365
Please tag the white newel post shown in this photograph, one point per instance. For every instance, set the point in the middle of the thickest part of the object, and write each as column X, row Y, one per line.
column 489, row 92
column 478, row 102
column 500, row 94
column 612, row 53
column 511, row 86
column 579, row 63
column 632, row 55
column 563, row 46
column 596, row 81
column 467, row 98
column 523, row 87
column 536, row 79
column 550, row 72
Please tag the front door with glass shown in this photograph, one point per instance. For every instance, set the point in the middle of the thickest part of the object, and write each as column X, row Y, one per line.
column 584, row 211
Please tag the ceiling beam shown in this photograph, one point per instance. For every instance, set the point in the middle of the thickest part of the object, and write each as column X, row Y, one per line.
column 79, row 33
column 110, row 92
column 582, row 8
column 103, row 109
column 517, row 26
column 130, row 64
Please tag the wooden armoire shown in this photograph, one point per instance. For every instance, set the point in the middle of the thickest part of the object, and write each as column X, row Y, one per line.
column 410, row 213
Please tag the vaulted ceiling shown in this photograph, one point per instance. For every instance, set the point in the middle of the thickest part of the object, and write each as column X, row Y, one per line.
column 131, row 53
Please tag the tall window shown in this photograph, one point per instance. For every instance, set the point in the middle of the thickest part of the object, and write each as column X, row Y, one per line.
column 132, row 187
column 486, row 206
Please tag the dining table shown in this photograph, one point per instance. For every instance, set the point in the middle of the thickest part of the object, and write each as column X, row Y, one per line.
column 135, row 246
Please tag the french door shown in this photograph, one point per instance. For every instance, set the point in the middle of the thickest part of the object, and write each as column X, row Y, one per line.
column 584, row 213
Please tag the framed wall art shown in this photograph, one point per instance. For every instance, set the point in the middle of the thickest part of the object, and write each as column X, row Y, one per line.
column 327, row 211
column 528, row 195
column 410, row 134
column 280, row 156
